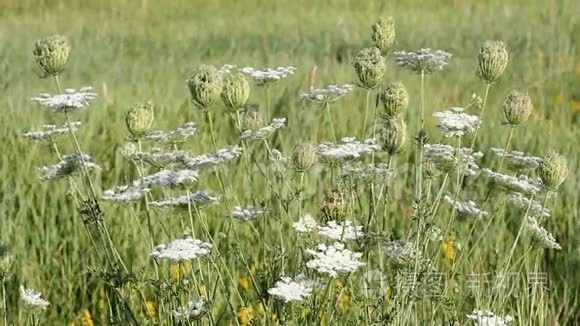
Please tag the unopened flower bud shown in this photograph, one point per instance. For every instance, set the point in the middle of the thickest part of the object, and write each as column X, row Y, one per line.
column 139, row 119
column 370, row 67
column 51, row 54
column 205, row 86
column 492, row 61
column 334, row 206
column 304, row 157
column 6, row 262
column 384, row 34
column 395, row 99
column 553, row 170
column 251, row 119
column 235, row 91
column 517, row 107
column 393, row 135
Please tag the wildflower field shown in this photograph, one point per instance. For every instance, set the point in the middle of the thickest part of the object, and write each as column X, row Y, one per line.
column 289, row 162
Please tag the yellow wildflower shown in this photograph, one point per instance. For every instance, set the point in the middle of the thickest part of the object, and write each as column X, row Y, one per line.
column 87, row 319
column 245, row 315
column 448, row 250
column 151, row 310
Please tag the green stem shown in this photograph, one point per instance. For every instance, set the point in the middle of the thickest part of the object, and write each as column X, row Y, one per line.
column 487, row 86
column 367, row 98
column 422, row 99
column 4, row 302
column 327, row 106
column 506, row 148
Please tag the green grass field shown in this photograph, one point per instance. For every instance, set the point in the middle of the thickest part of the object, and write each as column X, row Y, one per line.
column 135, row 51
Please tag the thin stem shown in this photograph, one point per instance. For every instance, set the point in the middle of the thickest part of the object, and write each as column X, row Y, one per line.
column 4, row 302
column 367, row 98
column 327, row 106
column 487, row 86
column 422, row 99
column 506, row 148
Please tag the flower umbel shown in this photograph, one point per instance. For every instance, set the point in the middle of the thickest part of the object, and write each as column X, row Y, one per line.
column 182, row 250
column 334, row 259
column 289, row 290
column 327, row 95
column 455, row 123
column 71, row 100
column 33, row 300
column 423, row 60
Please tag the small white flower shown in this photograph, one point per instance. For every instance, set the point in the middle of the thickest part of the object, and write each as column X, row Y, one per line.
column 69, row 101
column 334, row 259
column 425, row 60
column 341, row 231
column 168, row 178
column 182, row 250
column 49, row 132
column 288, row 290
column 178, row 135
column 518, row 161
column 198, row 198
column 541, row 235
column 206, row 161
column 249, row 213
column 522, row 184
column 350, row 148
column 535, row 209
column 33, row 299
column 268, row 75
column 327, row 95
column 466, row 208
column 70, row 163
column 455, row 123
column 125, row 194
column 305, row 224
column 488, row 318
column 193, row 310
column 448, row 159
column 264, row 132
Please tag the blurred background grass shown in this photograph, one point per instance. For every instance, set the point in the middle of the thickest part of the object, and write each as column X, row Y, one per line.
column 132, row 51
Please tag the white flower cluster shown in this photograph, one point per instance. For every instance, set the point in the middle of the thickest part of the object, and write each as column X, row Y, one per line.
column 518, row 161
column 168, row 178
column 334, row 259
column 226, row 69
column 249, row 213
column 358, row 172
column 350, row 148
column 289, row 290
column 178, row 135
column 535, row 209
column 425, row 60
column 264, row 132
column 198, row 198
column 268, row 75
column 193, row 310
column 70, row 100
column 522, row 184
column 456, row 123
column 278, row 162
column 541, row 235
column 182, row 250
column 327, row 95
column 125, row 194
column 400, row 252
column 488, row 318
column 206, row 161
column 341, row 231
column 49, row 132
column 33, row 299
column 157, row 157
column 448, row 159
column 305, row 224
column 466, row 208
column 70, row 163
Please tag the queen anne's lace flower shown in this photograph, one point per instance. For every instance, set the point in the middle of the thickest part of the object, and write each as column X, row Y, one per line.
column 264, row 132
column 198, row 198
column 305, row 224
column 207, row 161
column 33, row 299
column 182, row 250
column 518, row 161
column 178, row 135
column 70, row 163
column 448, row 159
column 193, row 310
column 278, row 162
column 341, row 231
column 358, row 172
column 488, row 318
column 541, row 235
column 327, row 95
column 168, row 178
column 334, row 259
column 249, row 213
column 522, row 184
column 125, row 194
column 350, row 148
column 70, row 100
column 268, row 75
column 288, row 290
column 455, row 123
column 49, row 132
column 425, row 60
column 535, row 209
column 400, row 252
column 226, row 69
column 466, row 208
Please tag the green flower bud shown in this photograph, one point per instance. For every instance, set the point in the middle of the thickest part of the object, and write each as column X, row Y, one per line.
column 304, row 157
column 251, row 119
column 393, row 135
column 517, row 107
column 431, row 169
column 139, row 119
column 6, row 262
column 370, row 67
column 205, row 86
column 553, row 170
column 395, row 99
column 51, row 54
column 493, row 59
column 334, row 206
column 235, row 91
column 384, row 34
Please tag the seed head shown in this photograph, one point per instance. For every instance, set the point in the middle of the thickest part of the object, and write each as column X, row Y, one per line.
column 395, row 99
column 235, row 91
column 553, row 170
column 492, row 61
column 517, row 107
column 370, row 67
column 393, row 135
column 205, row 86
column 384, row 34
column 51, row 54
column 304, row 157
column 334, row 206
column 6, row 262
column 139, row 119
column 251, row 119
